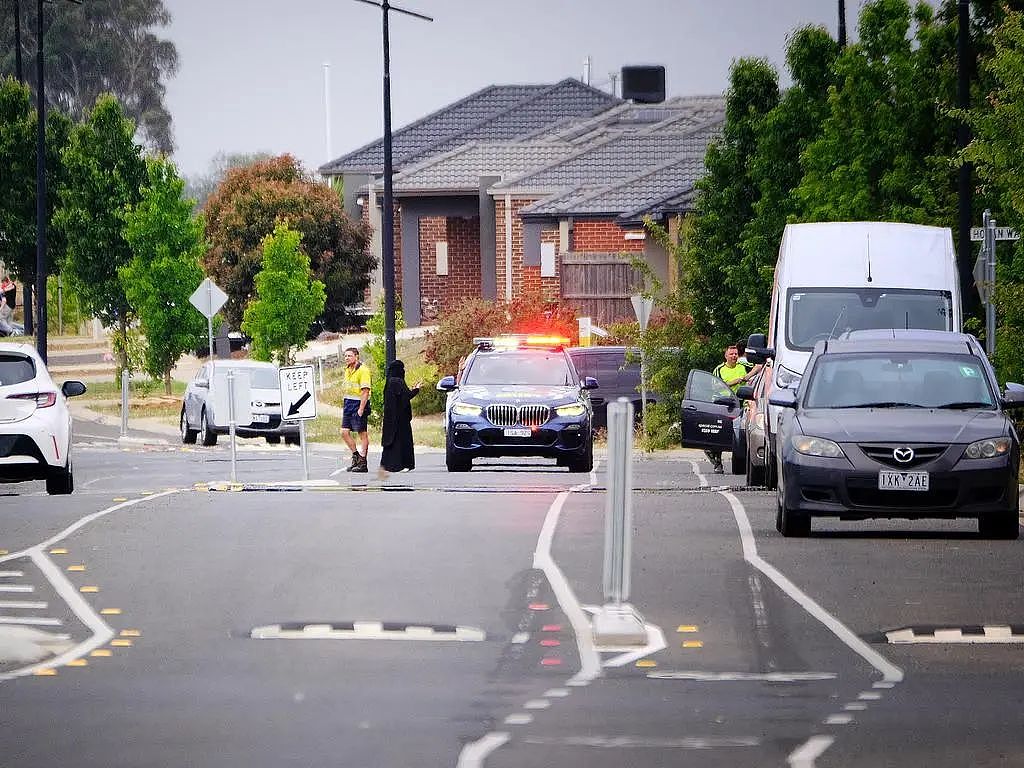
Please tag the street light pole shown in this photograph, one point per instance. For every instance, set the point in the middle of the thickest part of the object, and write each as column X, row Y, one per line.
column 388, row 234
column 963, row 138
column 17, row 42
column 40, row 189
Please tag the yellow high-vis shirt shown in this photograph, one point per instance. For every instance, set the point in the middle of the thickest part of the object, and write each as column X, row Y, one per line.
column 354, row 381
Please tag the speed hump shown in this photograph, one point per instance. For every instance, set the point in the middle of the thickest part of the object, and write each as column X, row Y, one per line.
column 298, row 393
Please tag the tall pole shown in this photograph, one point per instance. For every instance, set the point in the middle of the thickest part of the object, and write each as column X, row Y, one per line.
column 327, row 109
column 40, row 190
column 842, row 23
column 17, row 42
column 969, row 295
column 388, row 235
column 388, row 239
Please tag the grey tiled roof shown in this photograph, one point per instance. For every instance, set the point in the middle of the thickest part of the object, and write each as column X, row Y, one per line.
column 494, row 113
column 461, row 169
column 618, row 156
column 650, row 188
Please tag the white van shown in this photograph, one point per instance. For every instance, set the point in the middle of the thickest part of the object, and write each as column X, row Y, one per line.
column 834, row 277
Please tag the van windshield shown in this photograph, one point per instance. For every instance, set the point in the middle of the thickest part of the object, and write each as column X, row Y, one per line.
column 818, row 313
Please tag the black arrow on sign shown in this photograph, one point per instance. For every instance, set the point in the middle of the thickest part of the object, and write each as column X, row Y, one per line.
column 294, row 408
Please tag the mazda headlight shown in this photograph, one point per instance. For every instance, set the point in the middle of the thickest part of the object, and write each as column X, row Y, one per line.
column 466, row 409
column 817, row 446
column 573, row 409
column 988, row 449
column 787, row 379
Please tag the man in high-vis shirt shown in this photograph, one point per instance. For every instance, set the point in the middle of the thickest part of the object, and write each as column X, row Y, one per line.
column 355, row 382
column 734, row 373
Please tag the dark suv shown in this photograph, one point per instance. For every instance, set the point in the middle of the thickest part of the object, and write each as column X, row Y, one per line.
column 519, row 396
column 618, row 370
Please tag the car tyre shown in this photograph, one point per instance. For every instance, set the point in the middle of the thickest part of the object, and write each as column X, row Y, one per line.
column 291, row 440
column 755, row 475
column 771, row 480
column 789, row 522
column 207, row 435
column 454, row 461
column 1005, row 525
column 188, row 436
column 737, row 464
column 274, row 439
column 60, row 480
column 584, row 463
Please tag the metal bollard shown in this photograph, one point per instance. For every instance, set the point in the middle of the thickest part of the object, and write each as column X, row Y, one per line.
column 619, row 502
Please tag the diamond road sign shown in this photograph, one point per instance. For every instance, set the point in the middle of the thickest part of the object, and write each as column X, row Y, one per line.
column 208, row 298
column 1002, row 233
column 298, row 392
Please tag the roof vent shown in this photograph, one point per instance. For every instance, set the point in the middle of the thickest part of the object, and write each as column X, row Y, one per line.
column 644, row 84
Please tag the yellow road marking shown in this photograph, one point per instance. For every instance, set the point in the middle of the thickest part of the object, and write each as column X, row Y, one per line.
column 130, row 633
column 78, row 663
column 45, row 672
column 58, row 551
column 120, row 498
column 89, row 589
column 645, row 663
column 687, row 628
column 121, row 643
column 76, row 568
column 692, row 644
column 110, row 612
column 3, row 552
column 102, row 653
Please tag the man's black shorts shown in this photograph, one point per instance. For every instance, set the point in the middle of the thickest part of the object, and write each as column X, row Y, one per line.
column 351, row 419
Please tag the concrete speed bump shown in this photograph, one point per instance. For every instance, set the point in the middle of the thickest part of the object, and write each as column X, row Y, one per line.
column 22, row 645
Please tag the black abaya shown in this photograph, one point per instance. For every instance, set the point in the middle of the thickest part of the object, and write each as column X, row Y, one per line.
column 396, row 432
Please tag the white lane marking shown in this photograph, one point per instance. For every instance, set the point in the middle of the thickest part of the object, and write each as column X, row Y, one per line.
column 366, row 630
column 519, row 638
column 655, row 643
column 101, row 632
column 11, row 574
column 645, row 742
column 338, row 471
column 889, row 671
column 17, row 588
column 87, row 483
column 537, row 704
column 996, row 633
column 838, row 719
column 700, row 475
column 743, row 677
column 809, row 751
column 22, row 604
column 557, row 693
column 590, row 661
column 520, row 718
column 474, row 754
column 30, row 620
column 869, row 696
column 855, row 706
column 883, row 684
column 107, row 438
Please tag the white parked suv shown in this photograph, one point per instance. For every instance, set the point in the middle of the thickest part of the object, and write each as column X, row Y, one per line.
column 35, row 423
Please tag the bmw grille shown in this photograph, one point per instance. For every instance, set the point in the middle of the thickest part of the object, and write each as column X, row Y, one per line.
column 504, row 415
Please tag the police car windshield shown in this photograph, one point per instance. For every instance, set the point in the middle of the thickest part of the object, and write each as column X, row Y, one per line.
column 535, row 368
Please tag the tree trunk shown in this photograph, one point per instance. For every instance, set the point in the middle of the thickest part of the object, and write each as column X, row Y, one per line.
column 26, row 307
column 167, row 382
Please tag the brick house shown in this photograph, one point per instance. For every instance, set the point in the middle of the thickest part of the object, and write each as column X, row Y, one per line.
column 556, row 210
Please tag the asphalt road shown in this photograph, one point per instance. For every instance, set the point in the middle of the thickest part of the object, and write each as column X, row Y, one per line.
column 440, row 620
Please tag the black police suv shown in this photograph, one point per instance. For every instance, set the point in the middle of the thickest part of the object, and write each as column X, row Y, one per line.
column 519, row 396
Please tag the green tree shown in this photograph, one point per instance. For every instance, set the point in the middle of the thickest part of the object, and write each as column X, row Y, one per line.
column 725, row 203
column 249, row 204
column 288, row 298
column 166, row 239
column 18, row 185
column 97, row 47
column 104, row 175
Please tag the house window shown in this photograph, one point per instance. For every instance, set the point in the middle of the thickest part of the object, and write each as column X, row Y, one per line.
column 441, row 251
column 547, row 259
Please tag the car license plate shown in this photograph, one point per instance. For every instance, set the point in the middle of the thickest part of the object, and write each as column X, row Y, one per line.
column 889, row 480
column 261, row 418
column 517, row 432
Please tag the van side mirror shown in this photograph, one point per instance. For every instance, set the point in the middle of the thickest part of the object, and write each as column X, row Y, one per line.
column 447, row 384
column 758, row 351
column 783, row 398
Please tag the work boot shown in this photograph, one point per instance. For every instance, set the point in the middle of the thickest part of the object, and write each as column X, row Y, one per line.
column 360, row 465
column 355, row 462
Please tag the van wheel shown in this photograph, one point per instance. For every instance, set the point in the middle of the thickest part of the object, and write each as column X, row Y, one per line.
column 60, row 480
column 206, row 435
column 188, row 436
column 755, row 475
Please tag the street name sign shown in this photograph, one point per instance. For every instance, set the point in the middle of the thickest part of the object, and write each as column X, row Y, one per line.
column 208, row 298
column 298, row 392
column 1002, row 233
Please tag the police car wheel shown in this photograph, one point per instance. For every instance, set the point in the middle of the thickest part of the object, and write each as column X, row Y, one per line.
column 454, row 461
column 584, row 463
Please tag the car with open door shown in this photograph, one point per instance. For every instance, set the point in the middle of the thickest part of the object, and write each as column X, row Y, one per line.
column 709, row 409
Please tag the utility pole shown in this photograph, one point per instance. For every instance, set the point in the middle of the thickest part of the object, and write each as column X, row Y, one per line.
column 17, row 42
column 969, row 296
column 388, row 235
column 842, row 23
column 40, row 329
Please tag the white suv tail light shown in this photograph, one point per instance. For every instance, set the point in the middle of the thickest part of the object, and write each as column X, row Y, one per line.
column 43, row 399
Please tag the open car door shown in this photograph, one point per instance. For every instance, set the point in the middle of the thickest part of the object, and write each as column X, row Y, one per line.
column 709, row 408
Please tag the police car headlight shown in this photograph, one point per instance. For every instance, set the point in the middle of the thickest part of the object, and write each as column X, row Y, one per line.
column 988, row 449
column 817, row 446
column 465, row 409
column 573, row 409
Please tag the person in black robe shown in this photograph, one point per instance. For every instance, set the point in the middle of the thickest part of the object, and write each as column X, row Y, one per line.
column 396, row 431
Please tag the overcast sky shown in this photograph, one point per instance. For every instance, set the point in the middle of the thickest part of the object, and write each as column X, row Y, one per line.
column 251, row 75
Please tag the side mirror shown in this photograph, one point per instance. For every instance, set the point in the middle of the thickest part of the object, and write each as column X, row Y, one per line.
column 589, row 382
column 729, row 402
column 746, row 392
column 1013, row 395
column 202, row 383
column 72, row 388
column 784, row 398
column 447, row 384
column 758, row 351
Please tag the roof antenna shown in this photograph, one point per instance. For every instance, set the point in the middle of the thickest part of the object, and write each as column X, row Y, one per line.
column 869, row 256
